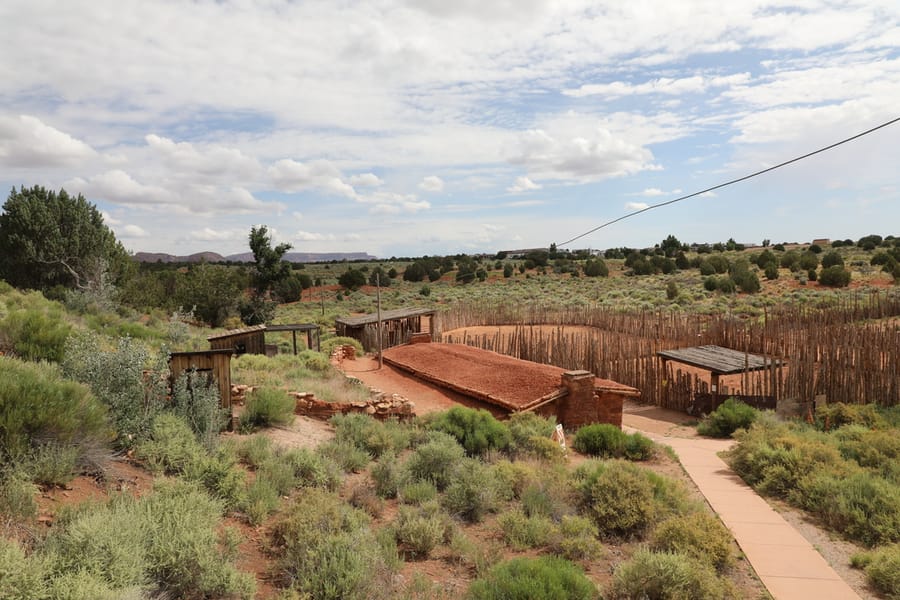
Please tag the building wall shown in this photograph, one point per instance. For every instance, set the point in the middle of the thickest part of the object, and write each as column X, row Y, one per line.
column 218, row 365
column 252, row 342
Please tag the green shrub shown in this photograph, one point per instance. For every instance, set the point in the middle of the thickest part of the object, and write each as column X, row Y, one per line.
column 471, row 492
column 21, row 578
column 119, row 378
column 476, row 430
column 435, row 460
column 620, row 499
column 255, row 450
column 312, row 470
column 576, row 539
column 837, row 414
column 543, row 578
column 417, row 492
column 600, row 439
column 864, row 507
column 38, row 332
column 52, row 464
column 665, row 576
column 527, row 431
column 730, row 416
column 522, row 531
column 368, row 434
column 314, row 361
column 639, row 447
column 169, row 539
column 387, row 475
column 38, row 406
column 699, row 535
column 419, row 529
column 835, row 276
column 17, row 494
column 344, row 454
column 328, row 551
column 259, row 501
column 197, row 402
column 882, row 567
column 266, row 407
column 173, row 449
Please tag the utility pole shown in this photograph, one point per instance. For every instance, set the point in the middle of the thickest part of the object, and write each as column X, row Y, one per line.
column 378, row 303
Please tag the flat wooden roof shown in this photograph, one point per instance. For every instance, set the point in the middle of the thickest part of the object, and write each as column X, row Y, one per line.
column 202, row 352
column 386, row 315
column 235, row 332
column 292, row 327
column 719, row 360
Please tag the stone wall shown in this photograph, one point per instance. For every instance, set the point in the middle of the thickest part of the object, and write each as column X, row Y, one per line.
column 379, row 404
column 583, row 404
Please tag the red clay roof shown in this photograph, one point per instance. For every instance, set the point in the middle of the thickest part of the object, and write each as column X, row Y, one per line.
column 495, row 378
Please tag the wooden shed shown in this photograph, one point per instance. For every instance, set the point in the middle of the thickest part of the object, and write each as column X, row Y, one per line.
column 397, row 327
column 246, row 340
column 721, row 361
column 252, row 340
column 216, row 364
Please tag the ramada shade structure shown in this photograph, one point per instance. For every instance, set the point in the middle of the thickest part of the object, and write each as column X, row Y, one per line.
column 718, row 360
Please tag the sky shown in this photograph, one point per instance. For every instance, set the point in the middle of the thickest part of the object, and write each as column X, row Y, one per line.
column 414, row 127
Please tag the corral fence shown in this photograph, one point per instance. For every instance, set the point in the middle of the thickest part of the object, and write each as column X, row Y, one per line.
column 848, row 351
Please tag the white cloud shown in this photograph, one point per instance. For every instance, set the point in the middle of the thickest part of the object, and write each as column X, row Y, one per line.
column 432, row 183
column 119, row 187
column 366, row 180
column 210, row 161
column 108, row 219
column 523, row 184
column 589, row 156
column 523, row 203
column 662, row 85
column 292, row 176
column 636, row 205
column 308, row 236
column 134, row 231
column 26, row 141
column 208, row 234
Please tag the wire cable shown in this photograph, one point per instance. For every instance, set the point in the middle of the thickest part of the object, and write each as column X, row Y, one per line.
column 733, row 181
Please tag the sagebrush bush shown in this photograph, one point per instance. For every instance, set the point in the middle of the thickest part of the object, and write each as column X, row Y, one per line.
column 38, row 332
column 260, row 500
column 17, row 493
column 730, row 416
column 117, row 378
column 168, row 540
column 863, row 506
column 348, row 457
column 620, row 499
column 639, row 447
column 476, row 430
column 882, row 568
column 471, row 493
column 52, row 464
column 600, row 439
column 521, row 531
column 528, row 431
column 543, row 578
column 266, row 407
column 419, row 529
column 511, row 478
column 22, row 578
column 576, row 539
column 255, row 450
column 837, row 414
column 328, row 549
column 435, row 460
column 197, row 402
column 699, row 535
column 666, row 576
column 312, row 470
column 387, row 475
column 39, row 407
column 417, row 492
column 369, row 434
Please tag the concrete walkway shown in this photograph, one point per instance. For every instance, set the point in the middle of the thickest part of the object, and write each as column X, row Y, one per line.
column 785, row 561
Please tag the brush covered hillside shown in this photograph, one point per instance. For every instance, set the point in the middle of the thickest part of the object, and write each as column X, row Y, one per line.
column 115, row 485
column 119, row 483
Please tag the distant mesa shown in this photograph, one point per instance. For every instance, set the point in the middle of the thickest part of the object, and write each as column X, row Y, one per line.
column 296, row 257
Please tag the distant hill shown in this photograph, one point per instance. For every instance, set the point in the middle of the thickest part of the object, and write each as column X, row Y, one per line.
column 297, row 257
column 167, row 258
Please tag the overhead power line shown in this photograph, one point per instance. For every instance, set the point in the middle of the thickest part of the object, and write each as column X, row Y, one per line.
column 733, row 181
